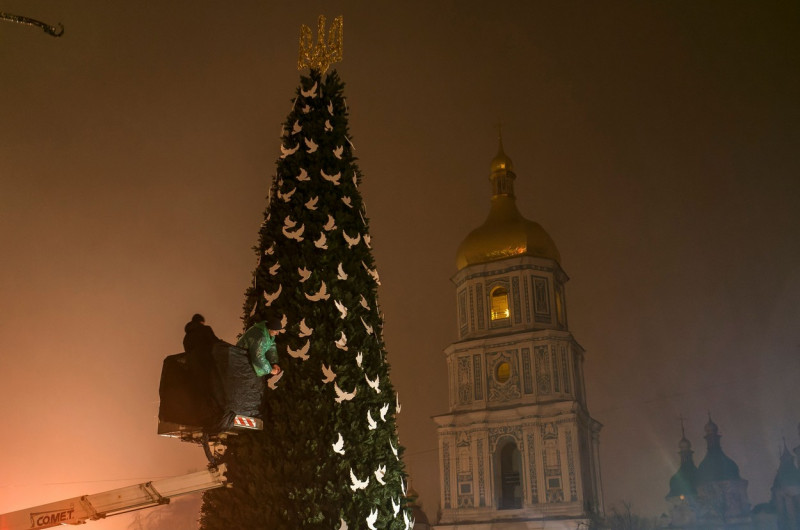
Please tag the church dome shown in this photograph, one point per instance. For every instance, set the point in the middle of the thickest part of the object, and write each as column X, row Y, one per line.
column 501, row 162
column 716, row 466
column 684, row 482
column 788, row 476
column 505, row 233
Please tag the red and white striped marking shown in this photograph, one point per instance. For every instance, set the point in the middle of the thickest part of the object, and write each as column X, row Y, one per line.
column 247, row 422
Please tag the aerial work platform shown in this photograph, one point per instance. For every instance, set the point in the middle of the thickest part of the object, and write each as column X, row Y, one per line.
column 206, row 400
column 203, row 402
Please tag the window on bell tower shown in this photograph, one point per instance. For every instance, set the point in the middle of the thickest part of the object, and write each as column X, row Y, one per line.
column 499, row 298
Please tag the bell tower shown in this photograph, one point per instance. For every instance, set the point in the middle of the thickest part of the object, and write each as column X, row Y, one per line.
column 518, row 445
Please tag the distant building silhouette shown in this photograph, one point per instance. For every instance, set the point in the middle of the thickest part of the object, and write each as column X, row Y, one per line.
column 714, row 496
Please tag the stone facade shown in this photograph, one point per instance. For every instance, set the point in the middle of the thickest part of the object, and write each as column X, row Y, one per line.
column 518, row 445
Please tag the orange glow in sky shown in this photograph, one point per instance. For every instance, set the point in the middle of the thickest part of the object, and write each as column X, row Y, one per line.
column 655, row 142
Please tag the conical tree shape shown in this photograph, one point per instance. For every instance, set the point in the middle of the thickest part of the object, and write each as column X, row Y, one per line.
column 328, row 457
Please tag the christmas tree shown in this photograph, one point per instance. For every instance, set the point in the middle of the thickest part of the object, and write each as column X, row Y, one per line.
column 328, row 456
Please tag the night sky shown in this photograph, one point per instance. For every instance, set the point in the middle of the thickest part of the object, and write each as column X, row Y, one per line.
column 656, row 142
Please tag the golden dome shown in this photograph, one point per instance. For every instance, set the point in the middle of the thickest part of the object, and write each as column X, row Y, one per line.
column 501, row 162
column 505, row 233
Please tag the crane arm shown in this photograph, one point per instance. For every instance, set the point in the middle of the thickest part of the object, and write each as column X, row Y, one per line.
column 78, row 510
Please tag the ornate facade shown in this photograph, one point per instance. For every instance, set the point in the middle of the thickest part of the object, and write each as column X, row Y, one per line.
column 518, row 448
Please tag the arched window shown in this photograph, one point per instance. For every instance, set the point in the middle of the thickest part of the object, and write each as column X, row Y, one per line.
column 508, row 476
column 499, row 297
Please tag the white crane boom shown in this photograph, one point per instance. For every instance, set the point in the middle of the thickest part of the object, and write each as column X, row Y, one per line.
column 79, row 510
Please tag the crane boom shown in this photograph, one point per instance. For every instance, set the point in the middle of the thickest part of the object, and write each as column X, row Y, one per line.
column 79, row 510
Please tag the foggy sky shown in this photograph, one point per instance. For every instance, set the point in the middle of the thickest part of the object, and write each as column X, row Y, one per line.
column 656, row 142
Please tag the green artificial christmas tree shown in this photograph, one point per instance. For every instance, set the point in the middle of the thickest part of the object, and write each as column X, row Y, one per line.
column 328, row 457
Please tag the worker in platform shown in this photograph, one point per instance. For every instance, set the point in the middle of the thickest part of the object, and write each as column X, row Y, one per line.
column 259, row 341
column 199, row 338
column 198, row 344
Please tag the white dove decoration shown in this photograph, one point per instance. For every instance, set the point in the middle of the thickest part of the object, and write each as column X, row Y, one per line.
column 403, row 486
column 271, row 297
column 394, row 450
column 359, row 359
column 355, row 180
column 366, row 326
column 397, row 403
column 351, row 241
column 374, row 384
column 305, row 331
column 338, row 152
column 341, row 275
column 331, row 178
column 311, row 204
column 288, row 152
column 379, row 474
column 273, row 381
column 311, row 92
column 364, row 303
column 338, row 447
column 270, row 250
column 322, row 242
column 372, row 424
column 303, row 176
column 328, row 126
column 253, row 311
column 304, row 274
column 362, row 218
column 371, row 518
column 347, row 201
column 322, row 294
column 284, row 320
column 296, row 235
column 342, row 309
column 306, row 109
column 301, row 353
column 296, row 128
column 311, row 145
column 342, row 342
column 356, row 484
column 288, row 195
column 331, row 224
column 328, row 373
column 396, row 507
column 384, row 410
column 367, row 240
column 289, row 223
column 372, row 272
column 409, row 524
column 274, row 269
column 342, row 524
column 341, row 395
column 330, row 107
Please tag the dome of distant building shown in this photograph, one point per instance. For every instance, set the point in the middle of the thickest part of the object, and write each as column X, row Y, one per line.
column 684, row 482
column 716, row 466
column 505, row 233
column 420, row 519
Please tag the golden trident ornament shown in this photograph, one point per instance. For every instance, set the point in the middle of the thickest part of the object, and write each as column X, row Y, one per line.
column 321, row 56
